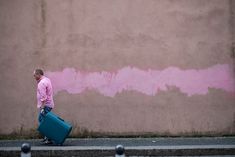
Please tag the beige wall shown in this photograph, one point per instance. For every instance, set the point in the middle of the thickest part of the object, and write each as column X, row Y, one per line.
column 104, row 35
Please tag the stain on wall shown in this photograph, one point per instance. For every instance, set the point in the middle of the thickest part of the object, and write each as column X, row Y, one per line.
column 148, row 82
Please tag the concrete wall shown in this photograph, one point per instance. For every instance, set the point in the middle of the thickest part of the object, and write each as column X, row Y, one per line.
column 121, row 66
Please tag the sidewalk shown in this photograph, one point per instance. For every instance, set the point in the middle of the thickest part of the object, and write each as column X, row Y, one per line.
column 134, row 147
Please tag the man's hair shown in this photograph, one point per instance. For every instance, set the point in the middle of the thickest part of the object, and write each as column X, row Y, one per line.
column 39, row 71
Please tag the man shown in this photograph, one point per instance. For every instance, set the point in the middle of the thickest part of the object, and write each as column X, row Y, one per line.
column 45, row 101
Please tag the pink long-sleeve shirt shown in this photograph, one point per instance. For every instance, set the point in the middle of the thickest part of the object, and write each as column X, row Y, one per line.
column 45, row 93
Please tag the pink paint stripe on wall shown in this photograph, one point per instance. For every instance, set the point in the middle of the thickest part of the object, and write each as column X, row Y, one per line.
column 149, row 82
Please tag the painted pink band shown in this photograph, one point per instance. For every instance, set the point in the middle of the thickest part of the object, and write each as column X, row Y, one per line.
column 149, row 82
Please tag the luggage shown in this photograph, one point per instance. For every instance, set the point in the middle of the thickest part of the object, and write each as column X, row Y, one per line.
column 54, row 128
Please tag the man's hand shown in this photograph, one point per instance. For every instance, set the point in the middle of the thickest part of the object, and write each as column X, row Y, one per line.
column 42, row 111
column 42, row 105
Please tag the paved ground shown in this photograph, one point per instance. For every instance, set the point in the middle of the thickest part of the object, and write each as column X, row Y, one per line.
column 207, row 146
column 112, row 142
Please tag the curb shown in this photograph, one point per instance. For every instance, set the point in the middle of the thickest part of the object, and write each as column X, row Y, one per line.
column 96, row 151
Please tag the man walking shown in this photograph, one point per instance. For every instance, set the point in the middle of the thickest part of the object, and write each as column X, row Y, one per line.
column 45, row 101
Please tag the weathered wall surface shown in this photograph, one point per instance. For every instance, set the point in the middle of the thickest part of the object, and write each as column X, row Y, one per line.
column 121, row 67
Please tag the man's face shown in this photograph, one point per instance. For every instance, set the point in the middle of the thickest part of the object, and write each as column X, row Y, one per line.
column 36, row 76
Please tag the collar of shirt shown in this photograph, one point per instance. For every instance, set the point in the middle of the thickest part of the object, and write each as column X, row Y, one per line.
column 41, row 78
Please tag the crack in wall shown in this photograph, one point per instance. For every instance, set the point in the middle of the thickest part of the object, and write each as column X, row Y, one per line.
column 232, row 25
column 43, row 24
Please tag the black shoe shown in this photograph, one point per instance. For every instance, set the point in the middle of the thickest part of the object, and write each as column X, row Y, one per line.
column 48, row 141
column 43, row 140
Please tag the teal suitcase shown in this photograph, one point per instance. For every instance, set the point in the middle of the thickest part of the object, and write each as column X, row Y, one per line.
column 55, row 128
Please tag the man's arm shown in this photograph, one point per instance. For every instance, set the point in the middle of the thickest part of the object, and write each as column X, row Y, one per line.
column 43, row 95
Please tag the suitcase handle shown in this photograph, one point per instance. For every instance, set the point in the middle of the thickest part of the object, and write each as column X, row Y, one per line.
column 60, row 118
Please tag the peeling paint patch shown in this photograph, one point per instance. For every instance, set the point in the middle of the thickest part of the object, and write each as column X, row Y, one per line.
column 148, row 82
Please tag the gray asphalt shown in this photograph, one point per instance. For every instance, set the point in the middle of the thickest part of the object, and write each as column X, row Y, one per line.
column 129, row 142
column 203, row 146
